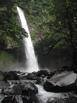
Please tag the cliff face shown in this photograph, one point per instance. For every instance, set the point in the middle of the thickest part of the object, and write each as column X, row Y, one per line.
column 56, row 59
column 12, row 59
column 15, row 59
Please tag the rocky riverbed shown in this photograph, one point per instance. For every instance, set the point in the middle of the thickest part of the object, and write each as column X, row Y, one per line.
column 38, row 87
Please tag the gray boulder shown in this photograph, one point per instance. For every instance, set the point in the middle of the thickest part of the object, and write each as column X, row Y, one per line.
column 63, row 82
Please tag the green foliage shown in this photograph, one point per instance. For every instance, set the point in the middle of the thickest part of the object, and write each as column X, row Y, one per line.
column 67, row 17
column 10, row 31
column 7, row 55
column 6, row 60
column 52, row 23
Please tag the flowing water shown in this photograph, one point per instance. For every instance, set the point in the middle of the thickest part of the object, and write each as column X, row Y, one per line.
column 44, row 96
column 32, row 64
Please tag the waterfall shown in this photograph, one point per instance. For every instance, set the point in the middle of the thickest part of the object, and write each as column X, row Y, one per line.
column 32, row 64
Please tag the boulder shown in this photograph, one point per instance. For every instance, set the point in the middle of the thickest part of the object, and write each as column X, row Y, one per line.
column 31, row 76
column 12, row 75
column 65, row 99
column 56, row 100
column 64, row 78
column 31, row 99
column 43, row 73
column 9, row 99
column 51, row 74
column 26, row 100
column 22, row 75
column 50, row 87
column 63, row 82
column 27, row 89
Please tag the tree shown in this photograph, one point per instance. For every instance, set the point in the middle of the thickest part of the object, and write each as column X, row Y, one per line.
column 68, row 18
column 10, row 30
column 53, row 23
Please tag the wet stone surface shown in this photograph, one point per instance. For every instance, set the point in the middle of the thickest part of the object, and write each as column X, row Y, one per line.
column 38, row 87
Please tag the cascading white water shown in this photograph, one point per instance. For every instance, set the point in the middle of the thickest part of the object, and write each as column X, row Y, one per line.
column 32, row 64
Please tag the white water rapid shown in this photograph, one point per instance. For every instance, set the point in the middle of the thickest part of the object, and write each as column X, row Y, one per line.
column 32, row 64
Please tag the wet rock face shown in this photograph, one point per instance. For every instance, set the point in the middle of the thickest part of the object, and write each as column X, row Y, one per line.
column 9, row 99
column 43, row 73
column 12, row 75
column 40, row 73
column 38, row 76
column 42, row 85
column 26, row 100
column 31, row 76
column 29, row 89
column 70, row 99
column 32, row 99
column 48, row 86
column 25, row 89
column 56, row 100
column 62, row 82
column 15, row 99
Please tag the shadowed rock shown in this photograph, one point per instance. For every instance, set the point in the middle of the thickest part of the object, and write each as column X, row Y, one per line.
column 12, row 75
column 27, row 89
column 9, row 99
column 43, row 73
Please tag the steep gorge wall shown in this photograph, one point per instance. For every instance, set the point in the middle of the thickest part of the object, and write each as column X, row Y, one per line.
column 15, row 59
column 56, row 59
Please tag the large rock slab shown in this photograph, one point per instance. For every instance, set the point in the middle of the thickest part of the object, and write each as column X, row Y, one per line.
column 64, row 78
column 63, row 82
